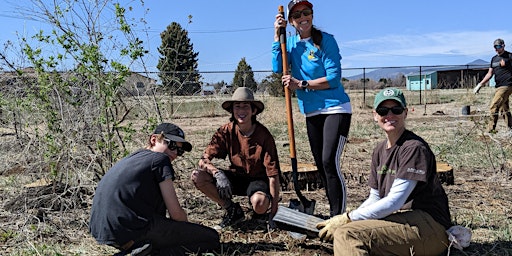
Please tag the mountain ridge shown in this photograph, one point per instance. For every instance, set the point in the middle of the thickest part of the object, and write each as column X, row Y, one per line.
column 393, row 72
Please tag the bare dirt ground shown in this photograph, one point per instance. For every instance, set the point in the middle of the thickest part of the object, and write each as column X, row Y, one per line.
column 480, row 198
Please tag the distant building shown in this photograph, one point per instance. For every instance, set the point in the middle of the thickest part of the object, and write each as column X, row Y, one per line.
column 137, row 84
column 446, row 78
column 134, row 84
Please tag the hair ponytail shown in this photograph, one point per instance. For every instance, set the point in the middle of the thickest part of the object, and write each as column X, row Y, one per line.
column 316, row 35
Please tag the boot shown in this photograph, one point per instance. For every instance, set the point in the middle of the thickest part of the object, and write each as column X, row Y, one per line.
column 508, row 120
column 234, row 214
column 491, row 126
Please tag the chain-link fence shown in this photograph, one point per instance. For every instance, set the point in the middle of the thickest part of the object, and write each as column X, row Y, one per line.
column 214, row 86
column 417, row 79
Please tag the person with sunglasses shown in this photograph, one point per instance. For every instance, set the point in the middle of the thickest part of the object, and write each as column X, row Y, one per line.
column 501, row 68
column 132, row 199
column 407, row 211
column 253, row 163
column 315, row 62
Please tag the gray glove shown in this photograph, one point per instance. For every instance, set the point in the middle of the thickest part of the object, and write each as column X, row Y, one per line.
column 223, row 185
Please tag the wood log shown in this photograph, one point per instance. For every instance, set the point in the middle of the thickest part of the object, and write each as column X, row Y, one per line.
column 445, row 173
column 307, row 177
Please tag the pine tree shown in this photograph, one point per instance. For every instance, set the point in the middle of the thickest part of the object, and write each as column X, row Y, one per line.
column 178, row 62
column 244, row 76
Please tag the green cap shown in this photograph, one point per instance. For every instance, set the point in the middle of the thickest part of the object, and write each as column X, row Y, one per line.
column 389, row 94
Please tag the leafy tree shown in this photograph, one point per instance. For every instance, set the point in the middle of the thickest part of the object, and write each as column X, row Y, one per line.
column 178, row 61
column 399, row 80
column 219, row 85
column 273, row 85
column 76, row 118
column 244, row 76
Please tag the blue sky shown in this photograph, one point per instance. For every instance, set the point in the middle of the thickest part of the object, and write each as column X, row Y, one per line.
column 369, row 33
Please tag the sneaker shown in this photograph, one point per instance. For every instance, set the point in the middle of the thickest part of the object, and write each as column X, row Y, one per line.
column 137, row 250
column 490, row 133
column 143, row 250
column 259, row 218
column 234, row 214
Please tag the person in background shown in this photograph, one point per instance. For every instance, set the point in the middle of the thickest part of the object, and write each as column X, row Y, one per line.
column 254, row 164
column 315, row 62
column 501, row 68
column 130, row 203
column 407, row 211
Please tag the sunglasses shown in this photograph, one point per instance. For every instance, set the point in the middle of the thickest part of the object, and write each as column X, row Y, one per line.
column 173, row 146
column 298, row 14
column 498, row 46
column 382, row 111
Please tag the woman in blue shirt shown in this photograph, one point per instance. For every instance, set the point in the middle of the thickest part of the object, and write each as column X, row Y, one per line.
column 315, row 64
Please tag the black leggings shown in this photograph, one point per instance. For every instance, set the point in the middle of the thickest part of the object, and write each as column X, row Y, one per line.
column 327, row 137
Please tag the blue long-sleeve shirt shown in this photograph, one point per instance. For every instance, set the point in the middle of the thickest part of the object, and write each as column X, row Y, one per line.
column 307, row 62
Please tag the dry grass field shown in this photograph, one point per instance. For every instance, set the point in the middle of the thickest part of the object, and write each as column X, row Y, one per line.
column 480, row 199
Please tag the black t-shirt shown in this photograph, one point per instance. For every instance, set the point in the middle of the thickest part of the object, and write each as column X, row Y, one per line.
column 411, row 158
column 128, row 196
column 502, row 75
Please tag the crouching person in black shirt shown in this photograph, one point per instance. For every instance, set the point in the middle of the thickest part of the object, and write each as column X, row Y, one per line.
column 130, row 202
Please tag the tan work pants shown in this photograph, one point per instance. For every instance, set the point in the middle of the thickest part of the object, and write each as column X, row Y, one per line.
column 403, row 233
column 500, row 104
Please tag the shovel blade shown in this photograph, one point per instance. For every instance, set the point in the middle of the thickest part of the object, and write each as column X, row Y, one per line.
column 305, row 206
column 296, row 221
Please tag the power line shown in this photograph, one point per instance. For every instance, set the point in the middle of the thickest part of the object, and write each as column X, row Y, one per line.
column 18, row 17
column 228, row 31
column 215, row 31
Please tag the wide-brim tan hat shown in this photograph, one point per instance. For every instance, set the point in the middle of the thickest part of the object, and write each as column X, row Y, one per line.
column 243, row 94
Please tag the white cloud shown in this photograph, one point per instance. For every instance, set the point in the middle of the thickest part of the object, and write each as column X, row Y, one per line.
column 422, row 49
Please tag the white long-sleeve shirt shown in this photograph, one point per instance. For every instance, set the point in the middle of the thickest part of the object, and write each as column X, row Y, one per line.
column 375, row 207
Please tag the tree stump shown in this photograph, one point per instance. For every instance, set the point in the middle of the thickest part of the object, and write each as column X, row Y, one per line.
column 307, row 177
column 445, row 173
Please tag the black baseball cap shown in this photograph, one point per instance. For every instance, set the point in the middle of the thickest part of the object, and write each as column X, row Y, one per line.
column 174, row 133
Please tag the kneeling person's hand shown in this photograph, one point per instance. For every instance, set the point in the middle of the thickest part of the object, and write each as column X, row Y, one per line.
column 328, row 227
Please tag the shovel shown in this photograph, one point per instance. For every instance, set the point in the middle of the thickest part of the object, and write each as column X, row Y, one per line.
column 303, row 204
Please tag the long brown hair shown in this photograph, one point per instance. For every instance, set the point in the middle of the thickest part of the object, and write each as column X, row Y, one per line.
column 316, row 35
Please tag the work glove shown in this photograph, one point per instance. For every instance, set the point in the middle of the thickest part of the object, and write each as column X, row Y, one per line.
column 477, row 88
column 223, row 185
column 459, row 236
column 328, row 227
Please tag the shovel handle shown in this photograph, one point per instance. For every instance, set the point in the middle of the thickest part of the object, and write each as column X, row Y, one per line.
column 309, row 205
column 287, row 93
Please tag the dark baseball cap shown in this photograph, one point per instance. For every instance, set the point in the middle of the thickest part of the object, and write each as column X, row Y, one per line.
column 499, row 41
column 174, row 133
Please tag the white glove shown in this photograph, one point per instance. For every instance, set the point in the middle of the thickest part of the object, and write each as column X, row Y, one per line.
column 477, row 88
column 460, row 236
